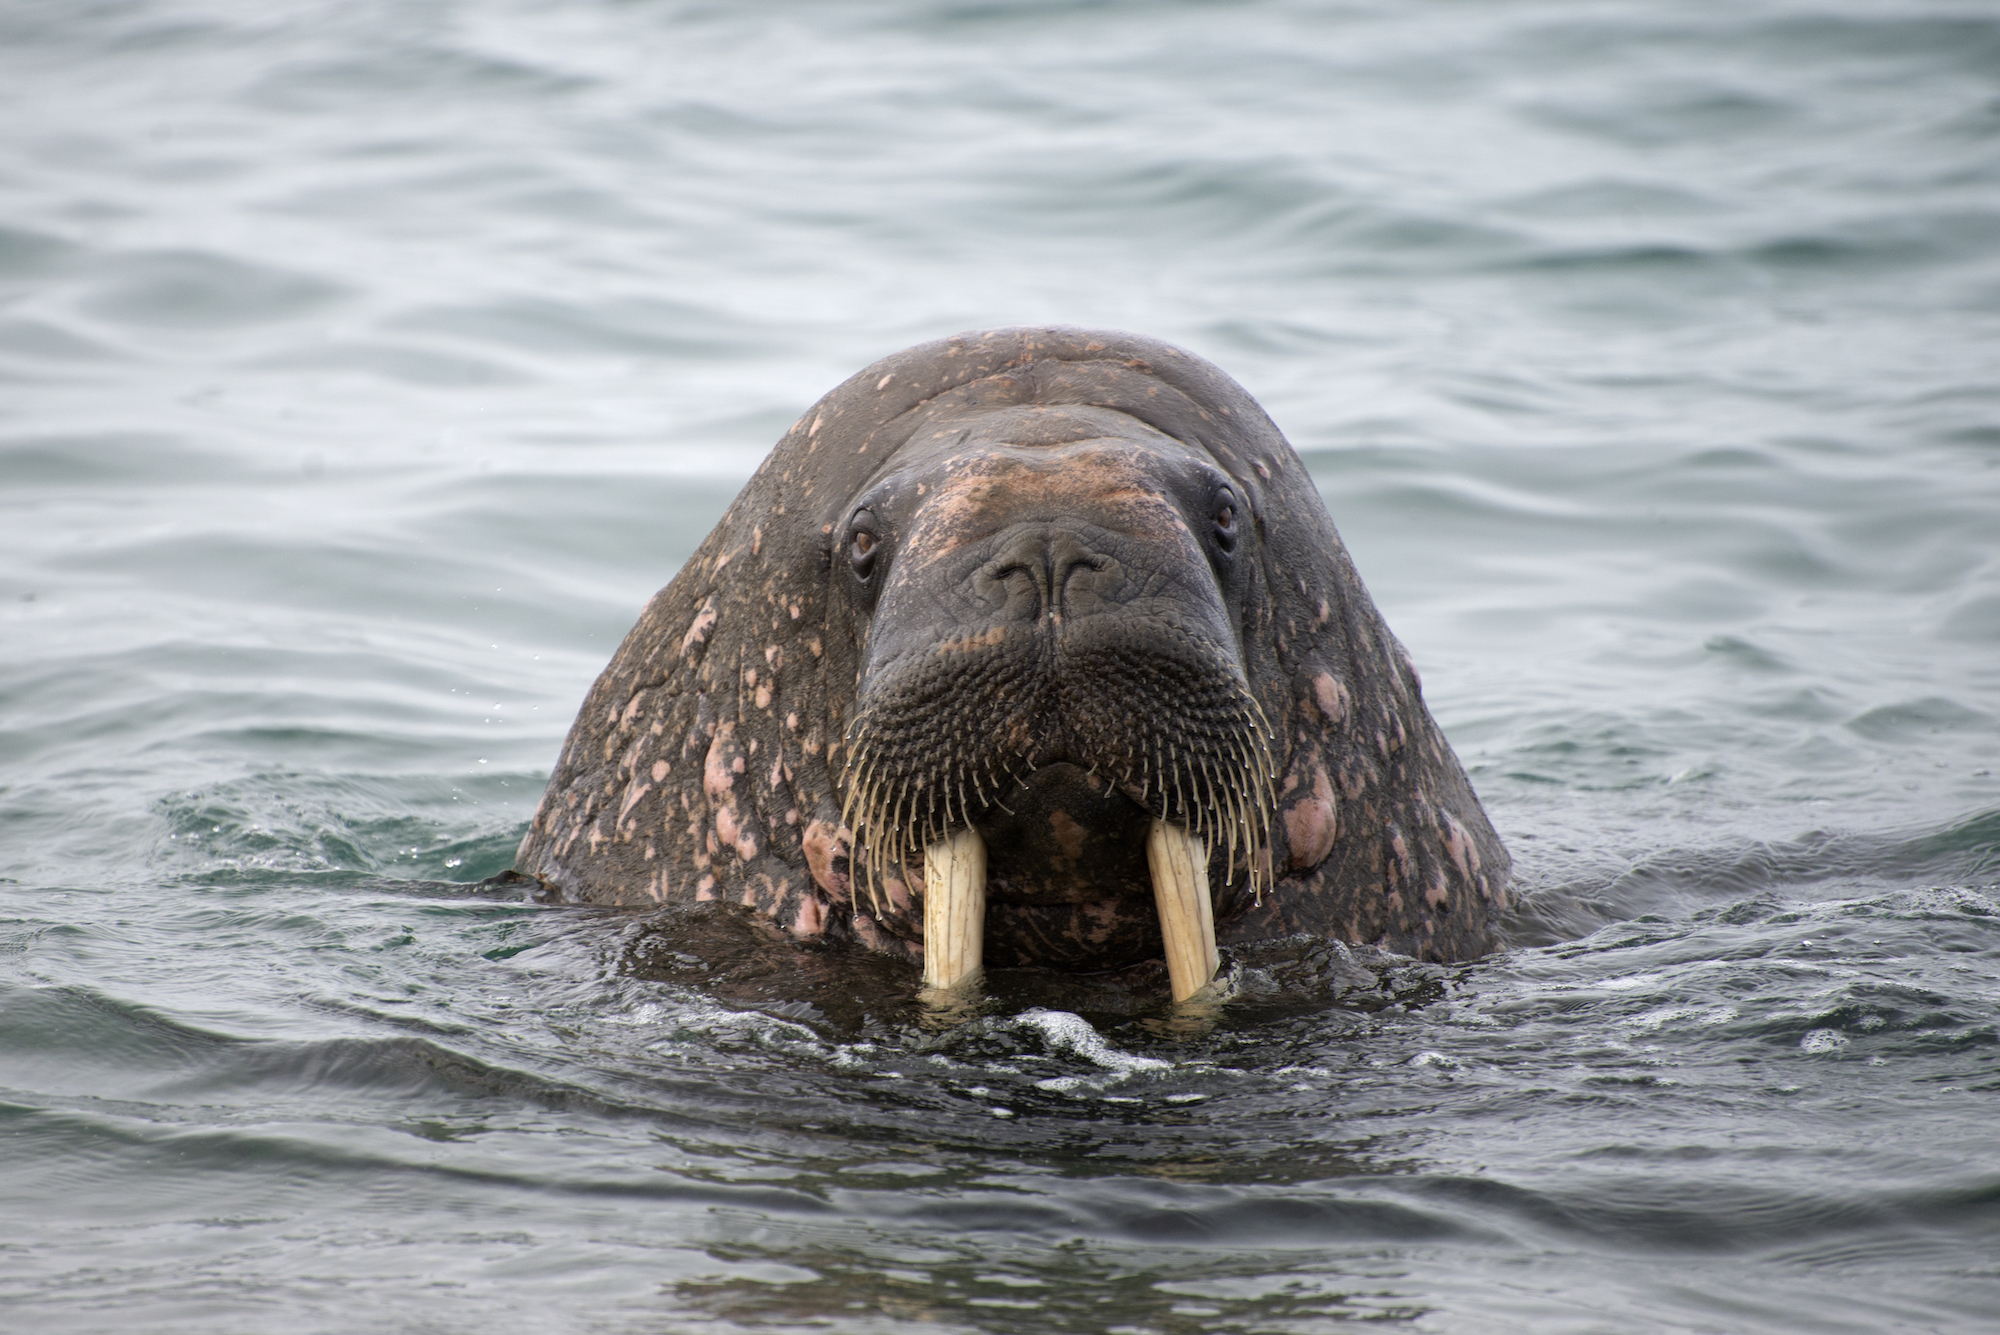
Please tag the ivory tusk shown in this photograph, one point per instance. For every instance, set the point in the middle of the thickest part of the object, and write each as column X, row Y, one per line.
column 954, row 908
column 1179, row 864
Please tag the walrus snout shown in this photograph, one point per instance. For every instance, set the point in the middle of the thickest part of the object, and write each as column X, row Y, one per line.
column 1052, row 713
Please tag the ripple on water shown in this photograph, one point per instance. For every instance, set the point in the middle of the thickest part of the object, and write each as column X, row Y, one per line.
column 368, row 367
column 194, row 291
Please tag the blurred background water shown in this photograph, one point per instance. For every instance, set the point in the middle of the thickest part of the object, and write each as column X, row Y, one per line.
column 364, row 367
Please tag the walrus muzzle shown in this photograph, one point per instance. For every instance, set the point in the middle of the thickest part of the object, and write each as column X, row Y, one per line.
column 1091, row 735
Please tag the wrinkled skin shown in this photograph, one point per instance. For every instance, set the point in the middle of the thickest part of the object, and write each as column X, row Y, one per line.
column 984, row 581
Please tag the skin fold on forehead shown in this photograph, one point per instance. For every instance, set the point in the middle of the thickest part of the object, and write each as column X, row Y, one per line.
column 969, row 497
column 1071, row 456
column 1117, row 505
column 965, row 394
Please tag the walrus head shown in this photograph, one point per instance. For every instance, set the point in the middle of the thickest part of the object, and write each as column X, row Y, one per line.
column 1050, row 606
column 1030, row 645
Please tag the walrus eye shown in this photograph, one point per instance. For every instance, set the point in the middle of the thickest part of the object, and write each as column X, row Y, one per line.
column 861, row 552
column 1225, row 523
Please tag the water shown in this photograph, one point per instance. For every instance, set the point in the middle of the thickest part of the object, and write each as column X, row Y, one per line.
column 366, row 366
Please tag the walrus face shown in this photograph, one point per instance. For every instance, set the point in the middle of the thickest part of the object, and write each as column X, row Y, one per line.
column 1051, row 709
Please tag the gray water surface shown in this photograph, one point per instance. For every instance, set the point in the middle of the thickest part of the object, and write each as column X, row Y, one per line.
column 365, row 366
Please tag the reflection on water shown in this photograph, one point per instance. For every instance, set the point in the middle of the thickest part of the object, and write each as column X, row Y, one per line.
column 368, row 366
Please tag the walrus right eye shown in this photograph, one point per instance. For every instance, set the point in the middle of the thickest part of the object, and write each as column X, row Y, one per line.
column 861, row 549
column 1225, row 523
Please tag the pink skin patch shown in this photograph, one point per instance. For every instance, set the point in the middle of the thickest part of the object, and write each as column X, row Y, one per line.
column 811, row 919
column 718, row 780
column 718, row 773
column 1331, row 697
column 823, row 843
column 1459, row 844
column 733, row 834
column 698, row 629
column 1312, row 823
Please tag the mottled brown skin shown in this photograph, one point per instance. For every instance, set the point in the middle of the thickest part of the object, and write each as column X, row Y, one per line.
column 1034, row 496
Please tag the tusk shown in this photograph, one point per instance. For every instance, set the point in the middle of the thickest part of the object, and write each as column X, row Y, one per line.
column 954, row 908
column 1179, row 862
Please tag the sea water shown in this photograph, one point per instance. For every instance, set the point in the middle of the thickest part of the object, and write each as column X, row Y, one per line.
column 365, row 366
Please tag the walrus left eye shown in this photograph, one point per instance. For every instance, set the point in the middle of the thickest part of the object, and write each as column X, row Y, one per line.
column 861, row 549
column 1225, row 523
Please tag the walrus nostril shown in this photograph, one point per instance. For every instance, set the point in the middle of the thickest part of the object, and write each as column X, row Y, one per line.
column 1093, row 583
column 1011, row 591
column 1049, row 573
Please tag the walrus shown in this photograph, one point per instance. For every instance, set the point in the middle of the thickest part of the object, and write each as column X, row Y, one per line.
column 1026, row 647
